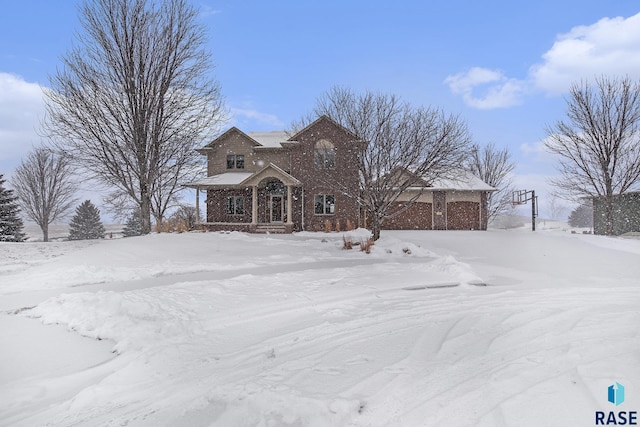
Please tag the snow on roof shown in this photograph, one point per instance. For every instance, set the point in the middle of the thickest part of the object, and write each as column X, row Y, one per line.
column 270, row 139
column 463, row 181
column 229, row 178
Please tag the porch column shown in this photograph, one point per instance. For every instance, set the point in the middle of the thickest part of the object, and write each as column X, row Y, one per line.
column 197, row 205
column 289, row 212
column 254, row 205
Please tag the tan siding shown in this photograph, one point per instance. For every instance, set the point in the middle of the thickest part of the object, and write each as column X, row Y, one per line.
column 254, row 159
column 463, row 196
column 425, row 197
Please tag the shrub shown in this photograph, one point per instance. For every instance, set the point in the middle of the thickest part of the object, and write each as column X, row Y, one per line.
column 365, row 245
column 133, row 226
column 582, row 216
column 349, row 225
column 181, row 226
column 186, row 216
column 347, row 243
column 165, row 226
column 327, row 226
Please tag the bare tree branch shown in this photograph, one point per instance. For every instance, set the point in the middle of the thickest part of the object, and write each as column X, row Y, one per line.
column 134, row 98
column 493, row 166
column 396, row 138
column 598, row 147
column 45, row 188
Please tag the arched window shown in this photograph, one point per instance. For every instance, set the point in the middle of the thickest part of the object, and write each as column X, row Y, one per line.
column 325, row 155
column 274, row 186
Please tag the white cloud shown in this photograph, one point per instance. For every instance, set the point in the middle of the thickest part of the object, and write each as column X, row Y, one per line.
column 496, row 90
column 611, row 46
column 21, row 110
column 243, row 117
column 538, row 152
column 206, row 11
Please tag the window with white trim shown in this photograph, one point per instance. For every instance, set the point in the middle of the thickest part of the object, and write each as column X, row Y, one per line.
column 235, row 161
column 325, row 204
column 235, row 205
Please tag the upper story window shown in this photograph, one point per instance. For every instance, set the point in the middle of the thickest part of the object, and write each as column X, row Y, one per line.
column 324, row 155
column 235, row 161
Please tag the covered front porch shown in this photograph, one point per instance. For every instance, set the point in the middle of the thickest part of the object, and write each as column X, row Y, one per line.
column 269, row 200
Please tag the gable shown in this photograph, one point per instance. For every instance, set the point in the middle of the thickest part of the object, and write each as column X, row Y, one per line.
column 271, row 171
column 233, row 136
column 324, row 126
column 400, row 176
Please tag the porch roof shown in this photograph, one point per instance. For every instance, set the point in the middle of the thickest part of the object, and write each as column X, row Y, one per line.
column 245, row 179
column 222, row 180
column 271, row 171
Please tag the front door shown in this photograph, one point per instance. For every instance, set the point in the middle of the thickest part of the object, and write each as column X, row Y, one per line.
column 439, row 210
column 277, row 207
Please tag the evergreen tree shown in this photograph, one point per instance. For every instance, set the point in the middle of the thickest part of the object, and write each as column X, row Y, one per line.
column 10, row 223
column 86, row 223
column 582, row 216
column 133, row 227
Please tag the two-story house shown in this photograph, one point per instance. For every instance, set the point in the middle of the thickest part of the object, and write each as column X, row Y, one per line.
column 272, row 181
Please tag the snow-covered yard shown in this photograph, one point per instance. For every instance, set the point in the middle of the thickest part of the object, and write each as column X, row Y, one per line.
column 208, row 329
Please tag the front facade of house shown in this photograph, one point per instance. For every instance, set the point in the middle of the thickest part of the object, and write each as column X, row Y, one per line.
column 275, row 182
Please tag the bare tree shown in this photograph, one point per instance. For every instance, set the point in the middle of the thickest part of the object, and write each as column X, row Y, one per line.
column 493, row 166
column 402, row 146
column 135, row 97
column 557, row 209
column 44, row 185
column 187, row 215
column 164, row 193
column 598, row 145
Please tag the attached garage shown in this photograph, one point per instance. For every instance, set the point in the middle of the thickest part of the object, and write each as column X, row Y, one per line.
column 414, row 216
column 445, row 204
column 463, row 216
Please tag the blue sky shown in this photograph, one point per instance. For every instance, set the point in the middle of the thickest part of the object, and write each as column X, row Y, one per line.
column 503, row 66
